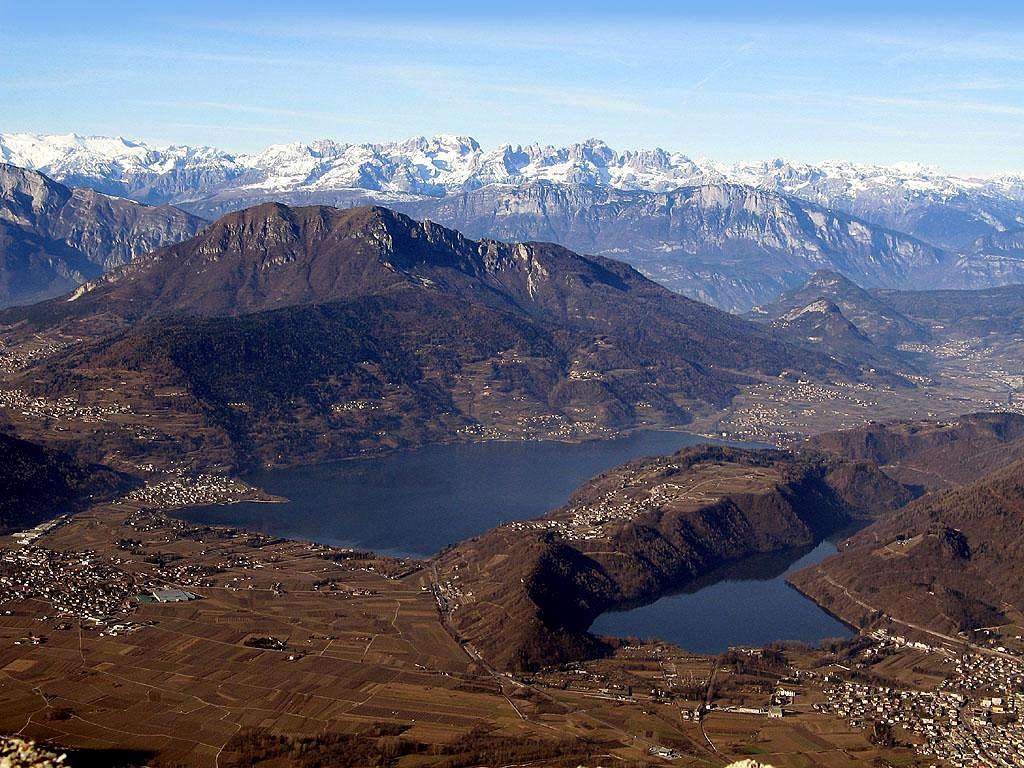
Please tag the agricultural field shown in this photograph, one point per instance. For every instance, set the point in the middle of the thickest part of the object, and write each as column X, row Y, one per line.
column 236, row 644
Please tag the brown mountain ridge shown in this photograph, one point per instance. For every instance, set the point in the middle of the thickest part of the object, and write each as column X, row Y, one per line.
column 524, row 594
column 295, row 334
column 950, row 561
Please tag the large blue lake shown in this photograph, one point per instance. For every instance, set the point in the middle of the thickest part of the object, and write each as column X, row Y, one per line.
column 418, row 502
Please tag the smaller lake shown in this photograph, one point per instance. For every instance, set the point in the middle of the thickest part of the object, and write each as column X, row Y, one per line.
column 415, row 503
column 745, row 603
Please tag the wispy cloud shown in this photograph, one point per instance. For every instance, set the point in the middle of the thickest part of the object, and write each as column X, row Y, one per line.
column 624, row 38
column 992, row 85
column 324, row 124
column 213, row 128
column 950, row 43
column 242, row 108
column 189, row 54
column 939, row 105
column 71, row 78
column 874, row 83
column 582, row 99
column 478, row 86
column 839, row 100
column 728, row 63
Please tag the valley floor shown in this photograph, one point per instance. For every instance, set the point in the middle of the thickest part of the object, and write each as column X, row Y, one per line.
column 346, row 651
column 293, row 646
column 967, row 378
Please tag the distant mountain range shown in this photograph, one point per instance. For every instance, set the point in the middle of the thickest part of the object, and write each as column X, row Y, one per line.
column 889, row 328
column 53, row 238
column 732, row 235
column 919, row 200
column 729, row 245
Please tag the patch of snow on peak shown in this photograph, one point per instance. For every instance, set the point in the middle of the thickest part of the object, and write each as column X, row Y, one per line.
column 821, row 306
column 447, row 163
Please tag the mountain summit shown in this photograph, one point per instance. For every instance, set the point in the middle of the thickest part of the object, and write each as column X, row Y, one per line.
column 947, row 210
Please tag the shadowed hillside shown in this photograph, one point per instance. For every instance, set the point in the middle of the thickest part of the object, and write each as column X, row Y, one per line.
column 304, row 333
column 38, row 483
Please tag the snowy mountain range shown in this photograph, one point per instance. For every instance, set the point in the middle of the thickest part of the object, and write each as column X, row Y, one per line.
column 896, row 226
column 729, row 245
column 418, row 167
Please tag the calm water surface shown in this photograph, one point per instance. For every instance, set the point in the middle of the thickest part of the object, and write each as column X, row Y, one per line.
column 746, row 603
column 418, row 502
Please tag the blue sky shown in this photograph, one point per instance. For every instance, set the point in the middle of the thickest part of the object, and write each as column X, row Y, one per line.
column 925, row 83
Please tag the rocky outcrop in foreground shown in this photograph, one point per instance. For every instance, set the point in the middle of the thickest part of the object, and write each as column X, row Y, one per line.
column 18, row 753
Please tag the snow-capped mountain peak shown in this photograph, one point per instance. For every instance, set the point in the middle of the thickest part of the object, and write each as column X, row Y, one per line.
column 450, row 160
column 900, row 196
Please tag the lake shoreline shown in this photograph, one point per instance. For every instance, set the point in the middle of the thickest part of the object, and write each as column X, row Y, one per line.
column 416, row 504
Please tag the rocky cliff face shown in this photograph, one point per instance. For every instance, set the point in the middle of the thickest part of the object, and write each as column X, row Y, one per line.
column 34, row 267
column 729, row 245
column 110, row 231
column 945, row 210
column 1007, row 244
column 56, row 237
